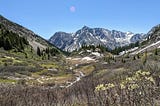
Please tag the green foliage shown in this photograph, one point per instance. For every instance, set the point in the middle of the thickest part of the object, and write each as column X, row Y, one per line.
column 156, row 52
column 54, row 51
column 134, row 89
column 10, row 40
column 134, row 58
column 136, row 44
column 47, row 53
column 49, row 56
column 7, row 44
column 1, row 41
column 123, row 60
column 21, row 82
column 88, row 47
column 103, row 49
column 144, row 58
column 47, row 50
column 93, row 48
column 38, row 51
column 138, row 56
column 31, row 49
column 117, row 50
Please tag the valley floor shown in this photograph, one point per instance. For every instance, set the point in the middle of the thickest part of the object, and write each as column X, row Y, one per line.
column 128, row 80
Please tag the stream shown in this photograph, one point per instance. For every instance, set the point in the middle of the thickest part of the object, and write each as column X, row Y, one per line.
column 77, row 79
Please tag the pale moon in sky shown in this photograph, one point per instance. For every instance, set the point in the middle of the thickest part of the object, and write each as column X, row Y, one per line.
column 72, row 9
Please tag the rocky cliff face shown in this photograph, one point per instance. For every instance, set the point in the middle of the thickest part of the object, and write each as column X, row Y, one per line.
column 94, row 36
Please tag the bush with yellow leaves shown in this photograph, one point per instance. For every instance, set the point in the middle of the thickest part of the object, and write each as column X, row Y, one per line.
column 132, row 90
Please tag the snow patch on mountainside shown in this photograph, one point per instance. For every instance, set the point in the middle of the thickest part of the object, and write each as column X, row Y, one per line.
column 87, row 59
column 127, row 51
column 93, row 36
column 96, row 54
column 151, row 46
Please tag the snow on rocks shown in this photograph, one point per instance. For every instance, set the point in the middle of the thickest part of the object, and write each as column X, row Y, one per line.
column 151, row 46
column 96, row 54
column 127, row 51
column 87, row 59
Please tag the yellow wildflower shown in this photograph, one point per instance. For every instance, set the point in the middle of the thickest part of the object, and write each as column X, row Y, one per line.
column 110, row 85
column 133, row 86
column 122, row 86
column 100, row 87
column 150, row 79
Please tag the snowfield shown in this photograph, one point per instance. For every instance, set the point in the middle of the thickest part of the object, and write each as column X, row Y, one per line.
column 151, row 46
column 87, row 59
column 96, row 54
column 127, row 51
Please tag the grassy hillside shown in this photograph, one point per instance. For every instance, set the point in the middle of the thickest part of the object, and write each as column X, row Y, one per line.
column 33, row 39
column 19, row 61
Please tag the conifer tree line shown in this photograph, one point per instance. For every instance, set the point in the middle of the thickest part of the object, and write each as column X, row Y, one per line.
column 47, row 52
column 93, row 48
column 10, row 40
column 115, row 51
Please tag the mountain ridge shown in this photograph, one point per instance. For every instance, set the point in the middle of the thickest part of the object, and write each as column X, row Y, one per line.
column 94, row 36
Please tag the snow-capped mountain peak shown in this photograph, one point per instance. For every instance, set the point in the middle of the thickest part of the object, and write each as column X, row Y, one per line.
column 93, row 36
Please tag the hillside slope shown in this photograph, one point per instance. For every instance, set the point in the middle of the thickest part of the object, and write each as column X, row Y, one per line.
column 152, row 42
column 33, row 39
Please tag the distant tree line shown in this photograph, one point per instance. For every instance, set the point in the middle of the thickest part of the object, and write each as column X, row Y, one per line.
column 47, row 52
column 115, row 51
column 93, row 48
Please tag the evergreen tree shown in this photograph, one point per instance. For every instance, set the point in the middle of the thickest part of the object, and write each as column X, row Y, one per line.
column 122, row 60
column 156, row 51
column 26, row 56
column 47, row 50
column 21, row 44
column 31, row 49
column 10, row 40
column 24, row 40
column 38, row 51
column 48, row 56
column 134, row 58
column 137, row 44
column 144, row 58
column 138, row 56
column 1, row 41
column 7, row 44
column 54, row 51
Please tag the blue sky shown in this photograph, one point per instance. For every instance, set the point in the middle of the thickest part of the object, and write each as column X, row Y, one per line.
column 45, row 17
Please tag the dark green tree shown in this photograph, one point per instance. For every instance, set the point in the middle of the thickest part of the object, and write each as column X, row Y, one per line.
column 144, row 58
column 21, row 44
column 123, row 60
column 48, row 56
column 26, row 56
column 137, row 44
column 156, row 51
column 7, row 44
column 47, row 50
column 31, row 49
column 1, row 41
column 134, row 58
column 54, row 51
column 38, row 51
column 138, row 56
